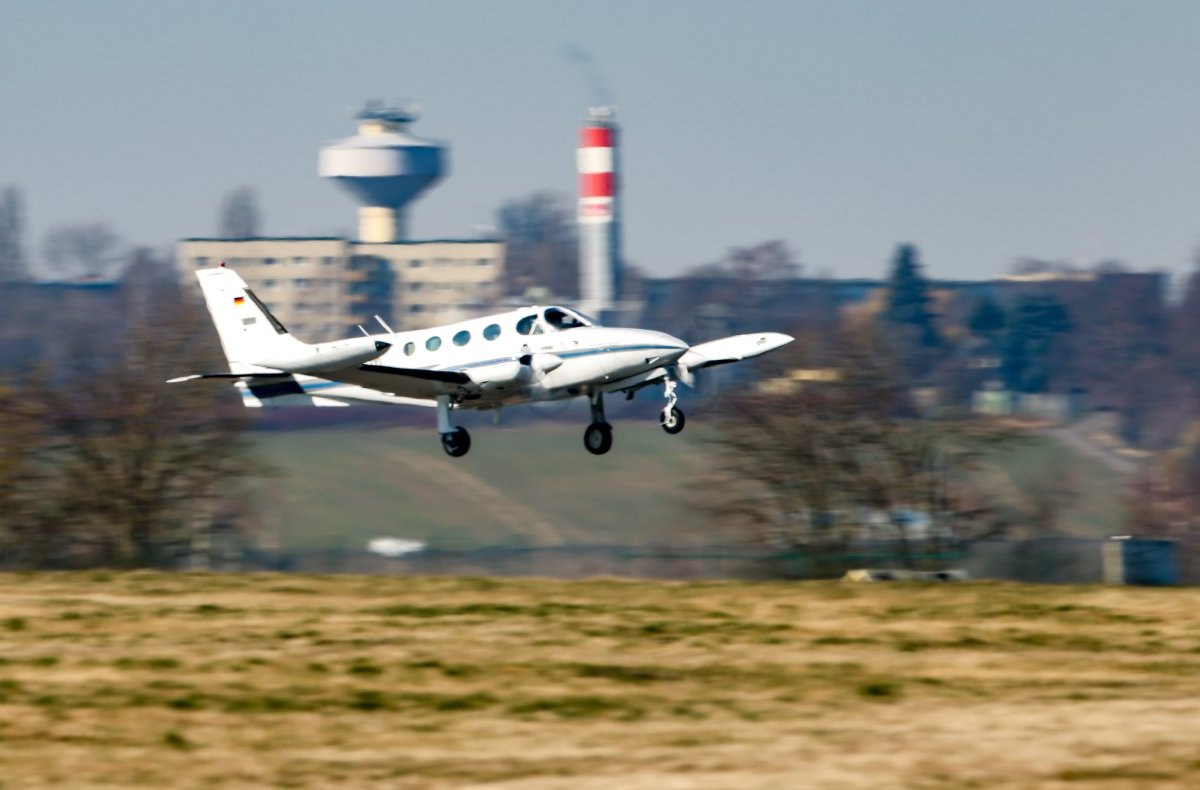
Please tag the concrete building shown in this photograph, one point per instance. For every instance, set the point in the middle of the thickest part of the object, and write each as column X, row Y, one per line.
column 321, row 288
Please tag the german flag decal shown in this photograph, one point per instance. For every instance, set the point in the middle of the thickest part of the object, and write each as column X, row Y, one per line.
column 239, row 300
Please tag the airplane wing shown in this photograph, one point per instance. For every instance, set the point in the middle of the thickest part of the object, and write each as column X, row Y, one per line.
column 411, row 383
column 731, row 349
column 706, row 355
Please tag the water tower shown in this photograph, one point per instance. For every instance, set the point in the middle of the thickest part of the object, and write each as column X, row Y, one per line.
column 384, row 168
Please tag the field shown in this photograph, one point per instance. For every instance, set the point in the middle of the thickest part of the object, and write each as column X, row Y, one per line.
column 534, row 484
column 229, row 681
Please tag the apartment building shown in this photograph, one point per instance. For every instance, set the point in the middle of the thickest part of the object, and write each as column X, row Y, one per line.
column 322, row 288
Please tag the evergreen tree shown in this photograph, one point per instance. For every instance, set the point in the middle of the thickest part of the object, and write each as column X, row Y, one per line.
column 1032, row 349
column 987, row 319
column 908, row 298
column 12, row 236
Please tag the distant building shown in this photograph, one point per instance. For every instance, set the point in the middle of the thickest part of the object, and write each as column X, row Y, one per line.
column 322, row 288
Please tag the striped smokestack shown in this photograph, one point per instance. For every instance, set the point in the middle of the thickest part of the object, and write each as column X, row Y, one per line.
column 599, row 214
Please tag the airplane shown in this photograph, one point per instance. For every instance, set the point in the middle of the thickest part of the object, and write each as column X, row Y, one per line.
column 532, row 354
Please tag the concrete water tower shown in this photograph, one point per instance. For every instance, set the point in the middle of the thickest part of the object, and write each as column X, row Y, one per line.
column 384, row 168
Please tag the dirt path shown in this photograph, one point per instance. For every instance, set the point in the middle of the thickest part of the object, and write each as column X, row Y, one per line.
column 496, row 504
column 1083, row 436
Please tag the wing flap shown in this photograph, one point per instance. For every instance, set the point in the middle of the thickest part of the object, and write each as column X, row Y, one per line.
column 405, row 382
column 423, row 374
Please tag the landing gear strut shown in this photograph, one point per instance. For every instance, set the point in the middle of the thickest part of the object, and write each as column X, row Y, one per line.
column 598, row 436
column 455, row 441
column 671, row 419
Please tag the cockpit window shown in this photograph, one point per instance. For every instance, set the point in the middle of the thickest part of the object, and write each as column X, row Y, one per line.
column 525, row 325
column 560, row 319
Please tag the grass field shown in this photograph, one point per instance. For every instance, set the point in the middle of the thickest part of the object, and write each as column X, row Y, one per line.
column 534, row 484
column 159, row 680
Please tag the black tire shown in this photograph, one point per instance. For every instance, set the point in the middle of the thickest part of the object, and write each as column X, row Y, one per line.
column 672, row 422
column 457, row 443
column 598, row 438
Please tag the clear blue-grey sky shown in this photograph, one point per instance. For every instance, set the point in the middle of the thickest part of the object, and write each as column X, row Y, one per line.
column 982, row 131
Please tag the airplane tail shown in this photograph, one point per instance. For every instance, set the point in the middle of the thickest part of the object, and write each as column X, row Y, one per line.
column 248, row 331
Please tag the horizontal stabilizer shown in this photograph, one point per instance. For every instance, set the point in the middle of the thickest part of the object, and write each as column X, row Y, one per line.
column 195, row 376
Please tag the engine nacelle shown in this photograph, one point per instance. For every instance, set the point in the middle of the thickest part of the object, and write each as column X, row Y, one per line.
column 544, row 362
column 327, row 357
column 500, row 375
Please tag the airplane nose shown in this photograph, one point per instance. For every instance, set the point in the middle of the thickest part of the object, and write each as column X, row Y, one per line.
column 381, row 345
column 677, row 347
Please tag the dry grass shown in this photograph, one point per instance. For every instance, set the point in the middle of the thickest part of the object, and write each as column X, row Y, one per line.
column 232, row 681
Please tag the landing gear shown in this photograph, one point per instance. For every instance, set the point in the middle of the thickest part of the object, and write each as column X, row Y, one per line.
column 598, row 436
column 671, row 419
column 455, row 441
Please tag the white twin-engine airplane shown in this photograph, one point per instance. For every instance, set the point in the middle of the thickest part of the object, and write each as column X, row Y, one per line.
column 531, row 354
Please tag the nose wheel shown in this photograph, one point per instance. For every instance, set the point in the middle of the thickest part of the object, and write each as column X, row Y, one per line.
column 672, row 420
column 456, row 443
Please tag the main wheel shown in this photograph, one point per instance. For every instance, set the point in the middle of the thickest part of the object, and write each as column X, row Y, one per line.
column 456, row 443
column 672, row 421
column 598, row 438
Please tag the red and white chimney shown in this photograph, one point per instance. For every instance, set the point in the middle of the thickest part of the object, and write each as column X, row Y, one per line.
column 599, row 214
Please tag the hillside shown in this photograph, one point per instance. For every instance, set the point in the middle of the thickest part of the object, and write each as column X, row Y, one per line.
column 534, row 484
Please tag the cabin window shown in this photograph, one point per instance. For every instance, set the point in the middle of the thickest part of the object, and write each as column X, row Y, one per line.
column 491, row 332
column 560, row 319
column 525, row 325
column 409, row 348
column 462, row 338
column 433, row 343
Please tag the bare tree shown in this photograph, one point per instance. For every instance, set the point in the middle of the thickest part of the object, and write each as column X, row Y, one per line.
column 239, row 217
column 799, row 465
column 27, row 475
column 109, row 465
column 746, row 281
column 541, row 247
column 83, row 251
column 12, row 236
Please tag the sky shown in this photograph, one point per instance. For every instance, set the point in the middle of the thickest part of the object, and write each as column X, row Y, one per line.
column 985, row 132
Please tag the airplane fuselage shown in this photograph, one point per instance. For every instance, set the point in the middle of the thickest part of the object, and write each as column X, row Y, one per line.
column 528, row 354
column 517, row 357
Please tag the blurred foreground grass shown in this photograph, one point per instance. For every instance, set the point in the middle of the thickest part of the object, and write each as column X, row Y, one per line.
column 205, row 680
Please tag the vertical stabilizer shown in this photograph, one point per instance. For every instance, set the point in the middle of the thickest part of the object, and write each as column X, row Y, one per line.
column 246, row 327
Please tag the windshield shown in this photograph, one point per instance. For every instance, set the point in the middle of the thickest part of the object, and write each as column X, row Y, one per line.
column 558, row 319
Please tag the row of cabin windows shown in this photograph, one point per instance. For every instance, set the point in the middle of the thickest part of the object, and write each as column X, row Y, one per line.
column 490, row 332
